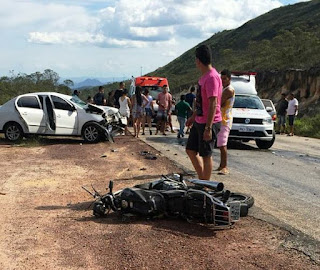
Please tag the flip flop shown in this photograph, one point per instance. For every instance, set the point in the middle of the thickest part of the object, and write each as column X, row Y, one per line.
column 224, row 171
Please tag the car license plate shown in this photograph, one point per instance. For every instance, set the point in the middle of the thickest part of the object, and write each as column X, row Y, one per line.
column 246, row 129
column 234, row 210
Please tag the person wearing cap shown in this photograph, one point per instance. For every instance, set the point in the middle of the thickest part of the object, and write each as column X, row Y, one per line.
column 281, row 113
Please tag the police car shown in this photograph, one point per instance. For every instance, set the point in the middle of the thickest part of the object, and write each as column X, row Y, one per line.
column 251, row 121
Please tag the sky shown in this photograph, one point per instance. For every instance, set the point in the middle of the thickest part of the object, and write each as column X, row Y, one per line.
column 112, row 38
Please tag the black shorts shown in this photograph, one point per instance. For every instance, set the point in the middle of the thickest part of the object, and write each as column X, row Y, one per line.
column 291, row 119
column 196, row 142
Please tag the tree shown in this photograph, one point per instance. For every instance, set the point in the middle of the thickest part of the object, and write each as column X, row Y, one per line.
column 68, row 83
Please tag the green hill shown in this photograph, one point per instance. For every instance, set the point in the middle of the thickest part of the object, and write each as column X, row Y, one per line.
column 284, row 38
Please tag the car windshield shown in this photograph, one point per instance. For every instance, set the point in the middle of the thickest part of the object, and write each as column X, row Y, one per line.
column 75, row 99
column 248, row 102
column 267, row 103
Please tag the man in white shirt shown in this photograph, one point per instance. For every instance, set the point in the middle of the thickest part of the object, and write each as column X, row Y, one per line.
column 292, row 111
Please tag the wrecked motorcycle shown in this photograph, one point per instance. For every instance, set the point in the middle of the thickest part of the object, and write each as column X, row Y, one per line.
column 194, row 200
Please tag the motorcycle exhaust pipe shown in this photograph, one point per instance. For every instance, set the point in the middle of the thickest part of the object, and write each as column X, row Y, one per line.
column 217, row 186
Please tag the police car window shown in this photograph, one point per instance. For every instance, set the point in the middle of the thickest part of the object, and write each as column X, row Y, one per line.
column 29, row 102
column 61, row 104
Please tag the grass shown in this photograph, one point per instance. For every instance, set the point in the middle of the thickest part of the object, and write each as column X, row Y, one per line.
column 308, row 126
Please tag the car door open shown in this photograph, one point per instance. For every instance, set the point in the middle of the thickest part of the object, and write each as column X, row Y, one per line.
column 66, row 116
column 32, row 113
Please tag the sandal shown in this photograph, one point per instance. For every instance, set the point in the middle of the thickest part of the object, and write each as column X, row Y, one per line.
column 223, row 171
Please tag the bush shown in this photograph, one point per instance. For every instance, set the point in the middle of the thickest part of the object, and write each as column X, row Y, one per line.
column 308, row 126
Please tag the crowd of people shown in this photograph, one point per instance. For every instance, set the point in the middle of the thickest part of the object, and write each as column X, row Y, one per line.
column 206, row 114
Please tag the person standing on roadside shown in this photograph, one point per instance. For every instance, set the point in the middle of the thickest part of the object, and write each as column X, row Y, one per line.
column 206, row 119
column 164, row 101
column 182, row 109
column 227, row 100
column 99, row 98
column 89, row 100
column 169, row 123
column 118, row 94
column 137, row 110
column 282, row 107
column 76, row 93
column 292, row 111
column 191, row 99
column 125, row 107
column 148, row 111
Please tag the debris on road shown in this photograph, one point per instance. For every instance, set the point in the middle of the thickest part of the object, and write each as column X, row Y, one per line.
column 148, row 155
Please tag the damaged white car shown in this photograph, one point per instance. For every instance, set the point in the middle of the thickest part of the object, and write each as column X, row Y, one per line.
column 50, row 113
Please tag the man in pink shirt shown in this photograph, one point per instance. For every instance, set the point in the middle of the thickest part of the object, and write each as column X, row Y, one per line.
column 164, row 101
column 206, row 119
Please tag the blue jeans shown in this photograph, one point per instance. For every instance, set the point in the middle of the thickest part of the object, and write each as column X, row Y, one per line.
column 182, row 123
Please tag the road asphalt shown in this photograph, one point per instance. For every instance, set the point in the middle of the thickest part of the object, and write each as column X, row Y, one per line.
column 284, row 180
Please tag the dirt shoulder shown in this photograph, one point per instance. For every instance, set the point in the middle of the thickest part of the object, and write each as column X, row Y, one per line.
column 46, row 223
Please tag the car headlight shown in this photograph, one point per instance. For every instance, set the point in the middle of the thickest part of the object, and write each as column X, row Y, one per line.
column 267, row 121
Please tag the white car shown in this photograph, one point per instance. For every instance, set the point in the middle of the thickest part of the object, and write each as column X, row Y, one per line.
column 251, row 121
column 50, row 113
column 270, row 108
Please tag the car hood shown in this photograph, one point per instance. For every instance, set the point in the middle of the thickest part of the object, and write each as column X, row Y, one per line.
column 249, row 113
column 103, row 109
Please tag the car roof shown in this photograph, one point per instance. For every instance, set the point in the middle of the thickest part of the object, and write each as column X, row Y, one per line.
column 47, row 93
column 243, row 85
column 151, row 81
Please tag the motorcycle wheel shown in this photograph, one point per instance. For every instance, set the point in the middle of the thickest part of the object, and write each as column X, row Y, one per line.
column 99, row 210
column 243, row 198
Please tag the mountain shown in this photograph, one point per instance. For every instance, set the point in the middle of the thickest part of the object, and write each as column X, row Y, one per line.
column 87, row 83
column 284, row 38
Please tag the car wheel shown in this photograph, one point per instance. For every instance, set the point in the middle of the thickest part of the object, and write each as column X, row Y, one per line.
column 266, row 144
column 13, row 132
column 91, row 133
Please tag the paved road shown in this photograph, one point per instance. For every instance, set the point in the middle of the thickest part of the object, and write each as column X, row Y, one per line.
column 284, row 180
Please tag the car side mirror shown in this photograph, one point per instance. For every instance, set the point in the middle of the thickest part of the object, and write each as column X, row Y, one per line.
column 268, row 109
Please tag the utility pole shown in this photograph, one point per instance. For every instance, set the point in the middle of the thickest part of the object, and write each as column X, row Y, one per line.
column 140, row 71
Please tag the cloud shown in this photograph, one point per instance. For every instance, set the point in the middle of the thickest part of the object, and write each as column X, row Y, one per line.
column 128, row 23
column 65, row 37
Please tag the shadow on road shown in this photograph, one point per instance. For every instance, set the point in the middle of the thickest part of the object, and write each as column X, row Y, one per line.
column 237, row 145
column 175, row 226
column 34, row 141
column 171, row 225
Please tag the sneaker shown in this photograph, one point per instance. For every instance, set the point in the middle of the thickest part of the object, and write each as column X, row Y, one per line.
column 178, row 136
column 142, row 133
column 172, row 131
